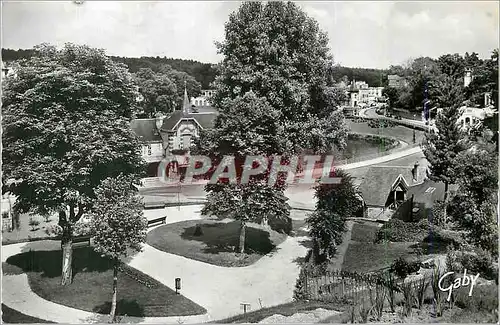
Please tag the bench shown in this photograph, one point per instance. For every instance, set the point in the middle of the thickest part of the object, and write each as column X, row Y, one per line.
column 82, row 241
column 162, row 220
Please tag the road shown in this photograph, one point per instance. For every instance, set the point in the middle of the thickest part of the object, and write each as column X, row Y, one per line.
column 371, row 113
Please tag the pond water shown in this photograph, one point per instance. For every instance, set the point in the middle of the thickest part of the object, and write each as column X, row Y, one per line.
column 359, row 147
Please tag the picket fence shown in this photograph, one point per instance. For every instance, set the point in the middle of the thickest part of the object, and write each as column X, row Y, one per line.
column 342, row 285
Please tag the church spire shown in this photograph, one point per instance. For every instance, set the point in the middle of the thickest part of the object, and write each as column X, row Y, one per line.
column 185, row 103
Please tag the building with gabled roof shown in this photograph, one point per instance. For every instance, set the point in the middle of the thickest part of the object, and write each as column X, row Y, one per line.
column 384, row 188
column 163, row 135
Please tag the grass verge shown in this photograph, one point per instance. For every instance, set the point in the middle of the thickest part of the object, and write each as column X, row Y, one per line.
column 214, row 242
column 91, row 289
column 287, row 309
column 11, row 316
column 362, row 257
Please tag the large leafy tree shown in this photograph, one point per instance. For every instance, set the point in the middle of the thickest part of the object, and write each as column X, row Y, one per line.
column 335, row 204
column 273, row 92
column 158, row 91
column 442, row 147
column 246, row 126
column 474, row 207
column 422, row 74
column 485, row 80
column 118, row 225
column 182, row 80
column 66, row 128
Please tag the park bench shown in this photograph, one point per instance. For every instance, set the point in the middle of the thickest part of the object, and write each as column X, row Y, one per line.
column 80, row 241
column 162, row 220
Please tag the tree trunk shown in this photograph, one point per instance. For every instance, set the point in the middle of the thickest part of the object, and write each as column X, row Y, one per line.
column 315, row 252
column 115, row 287
column 66, row 223
column 243, row 230
column 67, row 249
column 265, row 222
column 445, row 214
column 67, row 269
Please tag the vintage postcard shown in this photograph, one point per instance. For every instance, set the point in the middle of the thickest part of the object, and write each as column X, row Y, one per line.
column 186, row 162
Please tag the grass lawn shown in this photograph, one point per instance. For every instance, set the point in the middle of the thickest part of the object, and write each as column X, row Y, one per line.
column 287, row 309
column 364, row 257
column 11, row 316
column 91, row 289
column 364, row 232
column 218, row 242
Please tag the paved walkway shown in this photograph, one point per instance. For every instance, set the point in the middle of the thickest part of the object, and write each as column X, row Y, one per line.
column 220, row 290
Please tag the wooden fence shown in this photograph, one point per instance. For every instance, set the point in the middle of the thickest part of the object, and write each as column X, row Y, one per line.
column 341, row 285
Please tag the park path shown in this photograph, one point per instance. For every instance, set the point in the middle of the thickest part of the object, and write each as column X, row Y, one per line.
column 220, row 290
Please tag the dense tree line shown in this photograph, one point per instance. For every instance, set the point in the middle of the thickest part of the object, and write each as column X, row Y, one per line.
column 427, row 77
column 373, row 77
column 204, row 73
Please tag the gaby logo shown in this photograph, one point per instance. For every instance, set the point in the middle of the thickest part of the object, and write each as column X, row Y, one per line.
column 458, row 282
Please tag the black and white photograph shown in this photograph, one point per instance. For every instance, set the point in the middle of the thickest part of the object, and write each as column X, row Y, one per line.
column 274, row 162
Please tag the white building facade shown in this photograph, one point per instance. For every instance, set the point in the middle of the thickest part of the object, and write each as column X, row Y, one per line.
column 203, row 99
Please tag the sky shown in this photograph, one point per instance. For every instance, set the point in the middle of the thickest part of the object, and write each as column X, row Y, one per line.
column 372, row 34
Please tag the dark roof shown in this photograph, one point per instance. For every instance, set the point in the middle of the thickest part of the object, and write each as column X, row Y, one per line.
column 205, row 109
column 377, row 182
column 428, row 198
column 206, row 120
column 146, row 129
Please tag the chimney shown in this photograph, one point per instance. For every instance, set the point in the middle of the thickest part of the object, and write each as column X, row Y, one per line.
column 414, row 172
column 159, row 122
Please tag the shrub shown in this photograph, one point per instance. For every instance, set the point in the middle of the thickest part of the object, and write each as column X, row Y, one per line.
column 396, row 230
column 198, row 231
column 484, row 298
column 300, row 293
column 380, row 293
column 33, row 223
column 476, row 261
column 391, row 285
column 364, row 311
column 408, row 298
column 402, row 268
column 444, row 237
column 5, row 215
column 439, row 297
column 437, row 216
column 420, row 289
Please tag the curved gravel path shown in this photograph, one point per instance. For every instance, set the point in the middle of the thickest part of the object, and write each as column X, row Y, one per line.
column 220, row 290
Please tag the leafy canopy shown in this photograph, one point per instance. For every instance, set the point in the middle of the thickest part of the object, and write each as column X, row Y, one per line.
column 66, row 127
column 117, row 220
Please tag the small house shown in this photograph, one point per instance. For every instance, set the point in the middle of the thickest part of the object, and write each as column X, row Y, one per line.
column 384, row 188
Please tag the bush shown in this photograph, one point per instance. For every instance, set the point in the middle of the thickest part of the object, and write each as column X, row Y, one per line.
column 476, row 261
column 403, row 268
column 33, row 223
column 299, row 293
column 281, row 225
column 396, row 230
column 446, row 238
column 484, row 298
column 438, row 216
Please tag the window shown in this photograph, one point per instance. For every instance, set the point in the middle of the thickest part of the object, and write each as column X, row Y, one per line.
column 149, row 150
column 430, row 190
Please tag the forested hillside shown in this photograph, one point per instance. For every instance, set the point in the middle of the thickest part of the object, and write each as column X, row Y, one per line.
column 204, row 73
